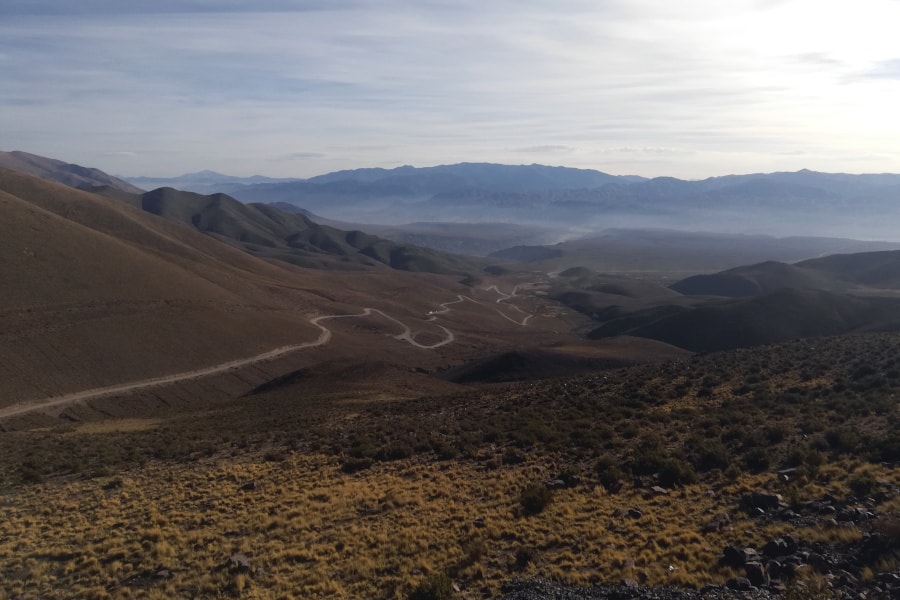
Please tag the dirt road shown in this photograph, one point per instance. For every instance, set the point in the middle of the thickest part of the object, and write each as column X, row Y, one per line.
column 324, row 337
column 136, row 386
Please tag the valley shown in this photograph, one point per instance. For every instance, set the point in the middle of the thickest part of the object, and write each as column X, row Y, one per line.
column 205, row 398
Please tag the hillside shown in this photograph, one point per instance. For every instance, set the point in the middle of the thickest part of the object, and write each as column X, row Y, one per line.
column 69, row 174
column 783, row 455
column 778, row 316
column 268, row 232
column 756, row 280
column 876, row 269
column 97, row 292
column 673, row 255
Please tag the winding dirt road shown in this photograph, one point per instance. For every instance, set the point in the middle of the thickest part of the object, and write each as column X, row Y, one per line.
column 136, row 386
column 405, row 335
column 504, row 296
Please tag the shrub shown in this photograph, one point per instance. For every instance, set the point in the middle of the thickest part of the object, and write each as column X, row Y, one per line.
column 756, row 460
column 707, row 455
column 437, row 587
column 862, row 484
column 609, row 473
column 524, row 557
column 354, row 465
column 535, row 498
column 669, row 470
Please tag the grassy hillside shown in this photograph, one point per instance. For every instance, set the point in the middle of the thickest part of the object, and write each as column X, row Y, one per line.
column 292, row 492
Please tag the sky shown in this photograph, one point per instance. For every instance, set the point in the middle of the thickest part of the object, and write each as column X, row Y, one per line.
column 295, row 88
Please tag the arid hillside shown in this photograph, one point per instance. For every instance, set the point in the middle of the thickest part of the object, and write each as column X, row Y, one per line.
column 99, row 293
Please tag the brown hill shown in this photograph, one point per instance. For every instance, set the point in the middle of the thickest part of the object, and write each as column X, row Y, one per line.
column 69, row 174
column 96, row 292
column 269, row 232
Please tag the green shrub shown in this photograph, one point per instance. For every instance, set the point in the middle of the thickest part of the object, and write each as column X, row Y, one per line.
column 862, row 484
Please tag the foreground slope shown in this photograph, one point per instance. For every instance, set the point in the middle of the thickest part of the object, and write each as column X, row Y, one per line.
column 647, row 474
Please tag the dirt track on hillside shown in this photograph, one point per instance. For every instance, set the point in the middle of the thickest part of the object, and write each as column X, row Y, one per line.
column 324, row 337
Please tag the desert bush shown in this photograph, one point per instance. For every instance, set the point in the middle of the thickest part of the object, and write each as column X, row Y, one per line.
column 841, row 439
column 354, row 465
column 756, row 460
column 706, row 455
column 535, row 498
column 474, row 550
column 862, row 484
column 436, row 587
column 670, row 470
column 394, row 451
column 524, row 557
column 609, row 473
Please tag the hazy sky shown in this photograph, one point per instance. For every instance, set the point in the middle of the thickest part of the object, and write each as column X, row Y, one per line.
column 296, row 88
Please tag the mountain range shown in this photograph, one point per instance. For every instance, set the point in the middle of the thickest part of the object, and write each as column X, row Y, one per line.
column 781, row 203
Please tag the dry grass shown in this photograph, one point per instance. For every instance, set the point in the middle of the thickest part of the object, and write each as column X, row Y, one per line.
column 309, row 530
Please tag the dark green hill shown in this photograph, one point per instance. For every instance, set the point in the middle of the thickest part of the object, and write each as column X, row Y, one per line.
column 756, row 280
column 269, row 232
column 876, row 269
column 779, row 316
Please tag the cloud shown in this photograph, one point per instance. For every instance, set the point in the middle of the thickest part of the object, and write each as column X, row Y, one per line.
column 886, row 69
column 224, row 84
column 302, row 155
column 546, row 149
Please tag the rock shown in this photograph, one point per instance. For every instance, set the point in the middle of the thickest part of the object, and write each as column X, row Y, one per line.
column 555, row 484
column 819, row 562
column 775, row 548
column 739, row 584
column 659, row 491
column 239, row 563
column 761, row 500
column 775, row 570
column 756, row 573
column 635, row 513
column 716, row 523
column 732, row 557
column 250, row 486
column 750, row 555
column 479, row 522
